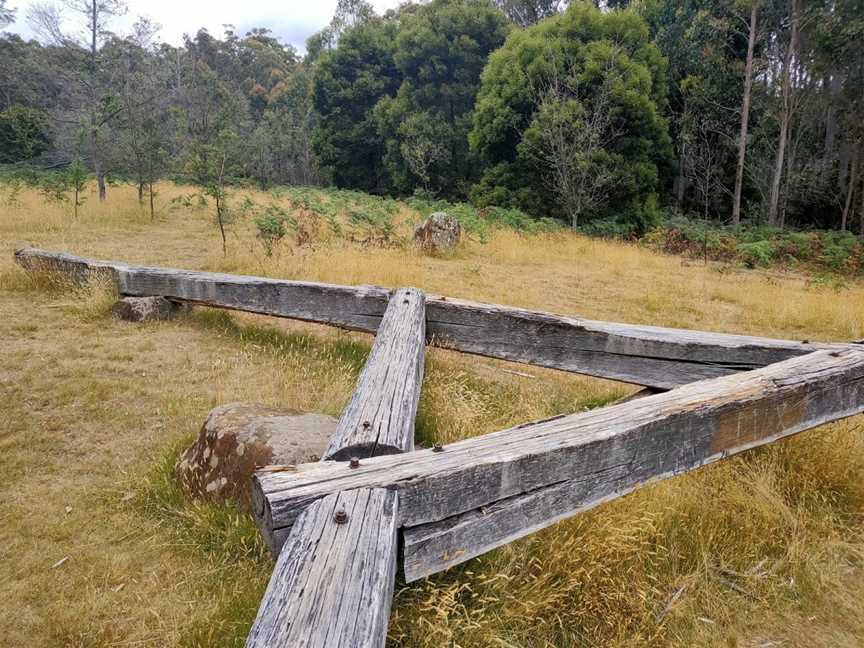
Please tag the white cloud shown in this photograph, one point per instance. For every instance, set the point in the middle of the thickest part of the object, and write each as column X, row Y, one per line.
column 291, row 20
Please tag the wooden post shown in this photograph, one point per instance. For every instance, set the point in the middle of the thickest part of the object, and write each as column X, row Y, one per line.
column 333, row 583
column 482, row 492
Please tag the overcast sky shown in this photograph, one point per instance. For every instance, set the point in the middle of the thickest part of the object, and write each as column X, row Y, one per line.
column 291, row 20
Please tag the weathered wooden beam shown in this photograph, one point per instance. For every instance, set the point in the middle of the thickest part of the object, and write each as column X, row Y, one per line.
column 661, row 358
column 351, row 307
column 592, row 455
column 333, row 584
column 380, row 417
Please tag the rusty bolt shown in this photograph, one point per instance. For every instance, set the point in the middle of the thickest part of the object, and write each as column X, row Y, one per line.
column 340, row 517
column 405, row 301
column 437, row 448
column 355, row 462
column 805, row 341
column 366, row 425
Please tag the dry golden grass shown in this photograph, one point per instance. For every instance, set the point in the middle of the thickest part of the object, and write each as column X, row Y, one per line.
column 762, row 550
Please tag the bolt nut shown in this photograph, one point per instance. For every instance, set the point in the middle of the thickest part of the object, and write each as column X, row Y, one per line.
column 340, row 517
column 354, row 463
column 437, row 448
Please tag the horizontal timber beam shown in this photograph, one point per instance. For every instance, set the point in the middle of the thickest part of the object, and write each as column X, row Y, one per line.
column 583, row 458
column 661, row 358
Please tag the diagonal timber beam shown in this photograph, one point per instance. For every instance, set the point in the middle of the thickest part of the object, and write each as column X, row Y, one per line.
column 661, row 358
column 333, row 584
column 582, row 459
column 379, row 419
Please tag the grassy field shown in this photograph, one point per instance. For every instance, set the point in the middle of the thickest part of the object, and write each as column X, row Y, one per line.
column 97, row 548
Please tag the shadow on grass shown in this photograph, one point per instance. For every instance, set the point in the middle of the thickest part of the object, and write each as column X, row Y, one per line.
column 281, row 343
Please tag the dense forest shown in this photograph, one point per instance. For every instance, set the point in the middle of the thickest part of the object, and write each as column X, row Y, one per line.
column 729, row 111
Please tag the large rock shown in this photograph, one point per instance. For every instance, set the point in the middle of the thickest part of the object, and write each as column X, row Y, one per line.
column 145, row 309
column 238, row 438
column 438, row 233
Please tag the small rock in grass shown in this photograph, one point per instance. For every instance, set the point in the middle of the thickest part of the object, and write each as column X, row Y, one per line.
column 146, row 309
column 238, row 438
column 438, row 233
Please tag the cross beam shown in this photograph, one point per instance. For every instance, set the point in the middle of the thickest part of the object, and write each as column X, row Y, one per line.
column 661, row 358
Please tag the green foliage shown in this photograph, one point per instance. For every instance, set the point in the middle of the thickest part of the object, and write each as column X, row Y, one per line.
column 23, row 134
column 758, row 253
column 347, row 83
column 588, row 53
column 440, row 51
column 271, row 226
column 394, row 99
column 760, row 246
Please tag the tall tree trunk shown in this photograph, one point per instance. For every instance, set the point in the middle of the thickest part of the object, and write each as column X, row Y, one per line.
column 790, row 169
column 95, row 153
column 681, row 180
column 152, row 212
column 861, row 216
column 95, row 158
column 785, row 117
column 745, row 117
column 844, row 221
column 833, row 87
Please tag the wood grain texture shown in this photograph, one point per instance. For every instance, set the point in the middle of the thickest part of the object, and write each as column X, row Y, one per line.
column 379, row 419
column 592, row 455
column 333, row 584
column 661, row 358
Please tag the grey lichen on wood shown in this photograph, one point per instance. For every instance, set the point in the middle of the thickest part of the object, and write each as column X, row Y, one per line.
column 379, row 419
column 592, row 455
column 657, row 357
column 333, row 584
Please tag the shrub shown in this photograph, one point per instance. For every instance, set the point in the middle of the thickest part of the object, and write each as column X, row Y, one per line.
column 758, row 253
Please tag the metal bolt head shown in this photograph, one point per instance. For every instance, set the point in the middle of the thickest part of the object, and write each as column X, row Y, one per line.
column 437, row 448
column 354, row 463
column 340, row 517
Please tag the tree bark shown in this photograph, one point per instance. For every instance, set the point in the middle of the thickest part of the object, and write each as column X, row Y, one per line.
column 861, row 222
column 745, row 116
column 833, row 87
column 850, row 190
column 785, row 117
column 152, row 212
column 94, row 126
